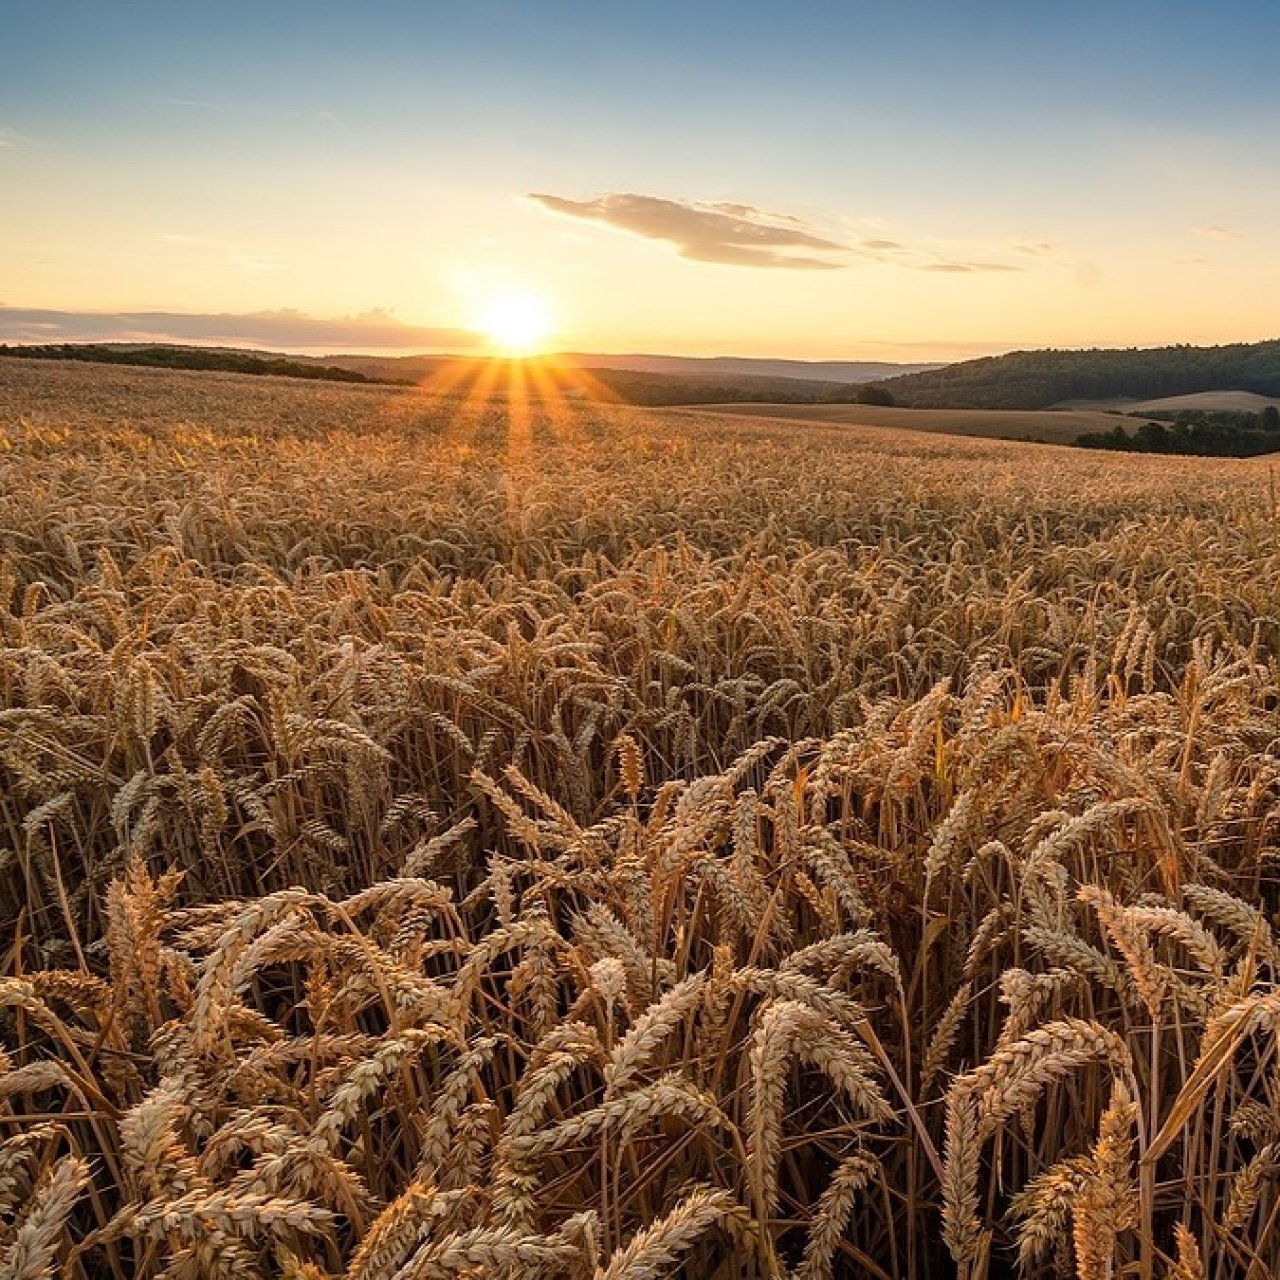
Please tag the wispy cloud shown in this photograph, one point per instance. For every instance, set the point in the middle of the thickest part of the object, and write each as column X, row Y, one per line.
column 272, row 111
column 930, row 258
column 284, row 329
column 1216, row 233
column 744, row 235
column 967, row 268
column 11, row 138
column 737, row 235
column 245, row 258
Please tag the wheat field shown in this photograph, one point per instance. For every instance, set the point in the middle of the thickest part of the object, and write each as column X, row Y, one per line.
column 506, row 840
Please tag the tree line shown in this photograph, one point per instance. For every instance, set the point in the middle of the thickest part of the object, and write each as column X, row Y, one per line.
column 185, row 358
column 1214, row 435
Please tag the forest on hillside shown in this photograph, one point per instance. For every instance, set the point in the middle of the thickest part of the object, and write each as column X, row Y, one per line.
column 207, row 359
column 1040, row 379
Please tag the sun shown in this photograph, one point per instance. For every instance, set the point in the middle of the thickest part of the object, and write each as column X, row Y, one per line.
column 518, row 324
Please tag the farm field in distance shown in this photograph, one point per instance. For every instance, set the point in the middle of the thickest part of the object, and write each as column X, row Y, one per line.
column 459, row 838
column 1048, row 426
column 1205, row 401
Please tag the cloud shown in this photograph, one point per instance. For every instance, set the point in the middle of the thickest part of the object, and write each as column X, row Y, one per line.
column 737, row 235
column 11, row 138
column 751, row 211
column 241, row 258
column 745, row 256
column 1216, row 233
column 936, row 258
column 967, row 268
column 744, row 235
column 272, row 111
column 281, row 330
column 255, row 263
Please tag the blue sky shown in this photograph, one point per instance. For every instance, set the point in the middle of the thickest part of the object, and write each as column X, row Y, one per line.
column 339, row 161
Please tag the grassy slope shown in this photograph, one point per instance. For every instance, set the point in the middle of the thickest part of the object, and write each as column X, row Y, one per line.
column 1206, row 401
column 1044, row 425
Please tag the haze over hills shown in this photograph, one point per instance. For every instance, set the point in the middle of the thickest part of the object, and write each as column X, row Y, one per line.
column 402, row 367
column 847, row 372
column 642, row 380
column 1161, row 381
column 659, row 379
column 807, row 370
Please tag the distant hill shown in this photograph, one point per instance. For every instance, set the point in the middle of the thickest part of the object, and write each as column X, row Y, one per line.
column 1160, row 381
column 209, row 359
column 726, row 369
column 656, row 380
column 843, row 371
column 677, row 381
column 589, row 377
column 635, row 386
column 1042, row 379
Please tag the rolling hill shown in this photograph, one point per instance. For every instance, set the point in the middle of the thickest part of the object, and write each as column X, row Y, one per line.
column 839, row 371
column 1043, row 379
column 1043, row 426
column 691, row 370
column 1196, row 402
column 640, row 380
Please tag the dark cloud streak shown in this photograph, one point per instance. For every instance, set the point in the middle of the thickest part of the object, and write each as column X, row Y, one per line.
column 276, row 329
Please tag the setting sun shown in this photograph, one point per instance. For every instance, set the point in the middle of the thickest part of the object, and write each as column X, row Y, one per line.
column 517, row 323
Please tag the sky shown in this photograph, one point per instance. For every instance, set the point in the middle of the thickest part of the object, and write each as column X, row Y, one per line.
column 916, row 180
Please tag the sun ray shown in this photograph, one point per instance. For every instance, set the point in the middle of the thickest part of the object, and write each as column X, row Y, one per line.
column 518, row 395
